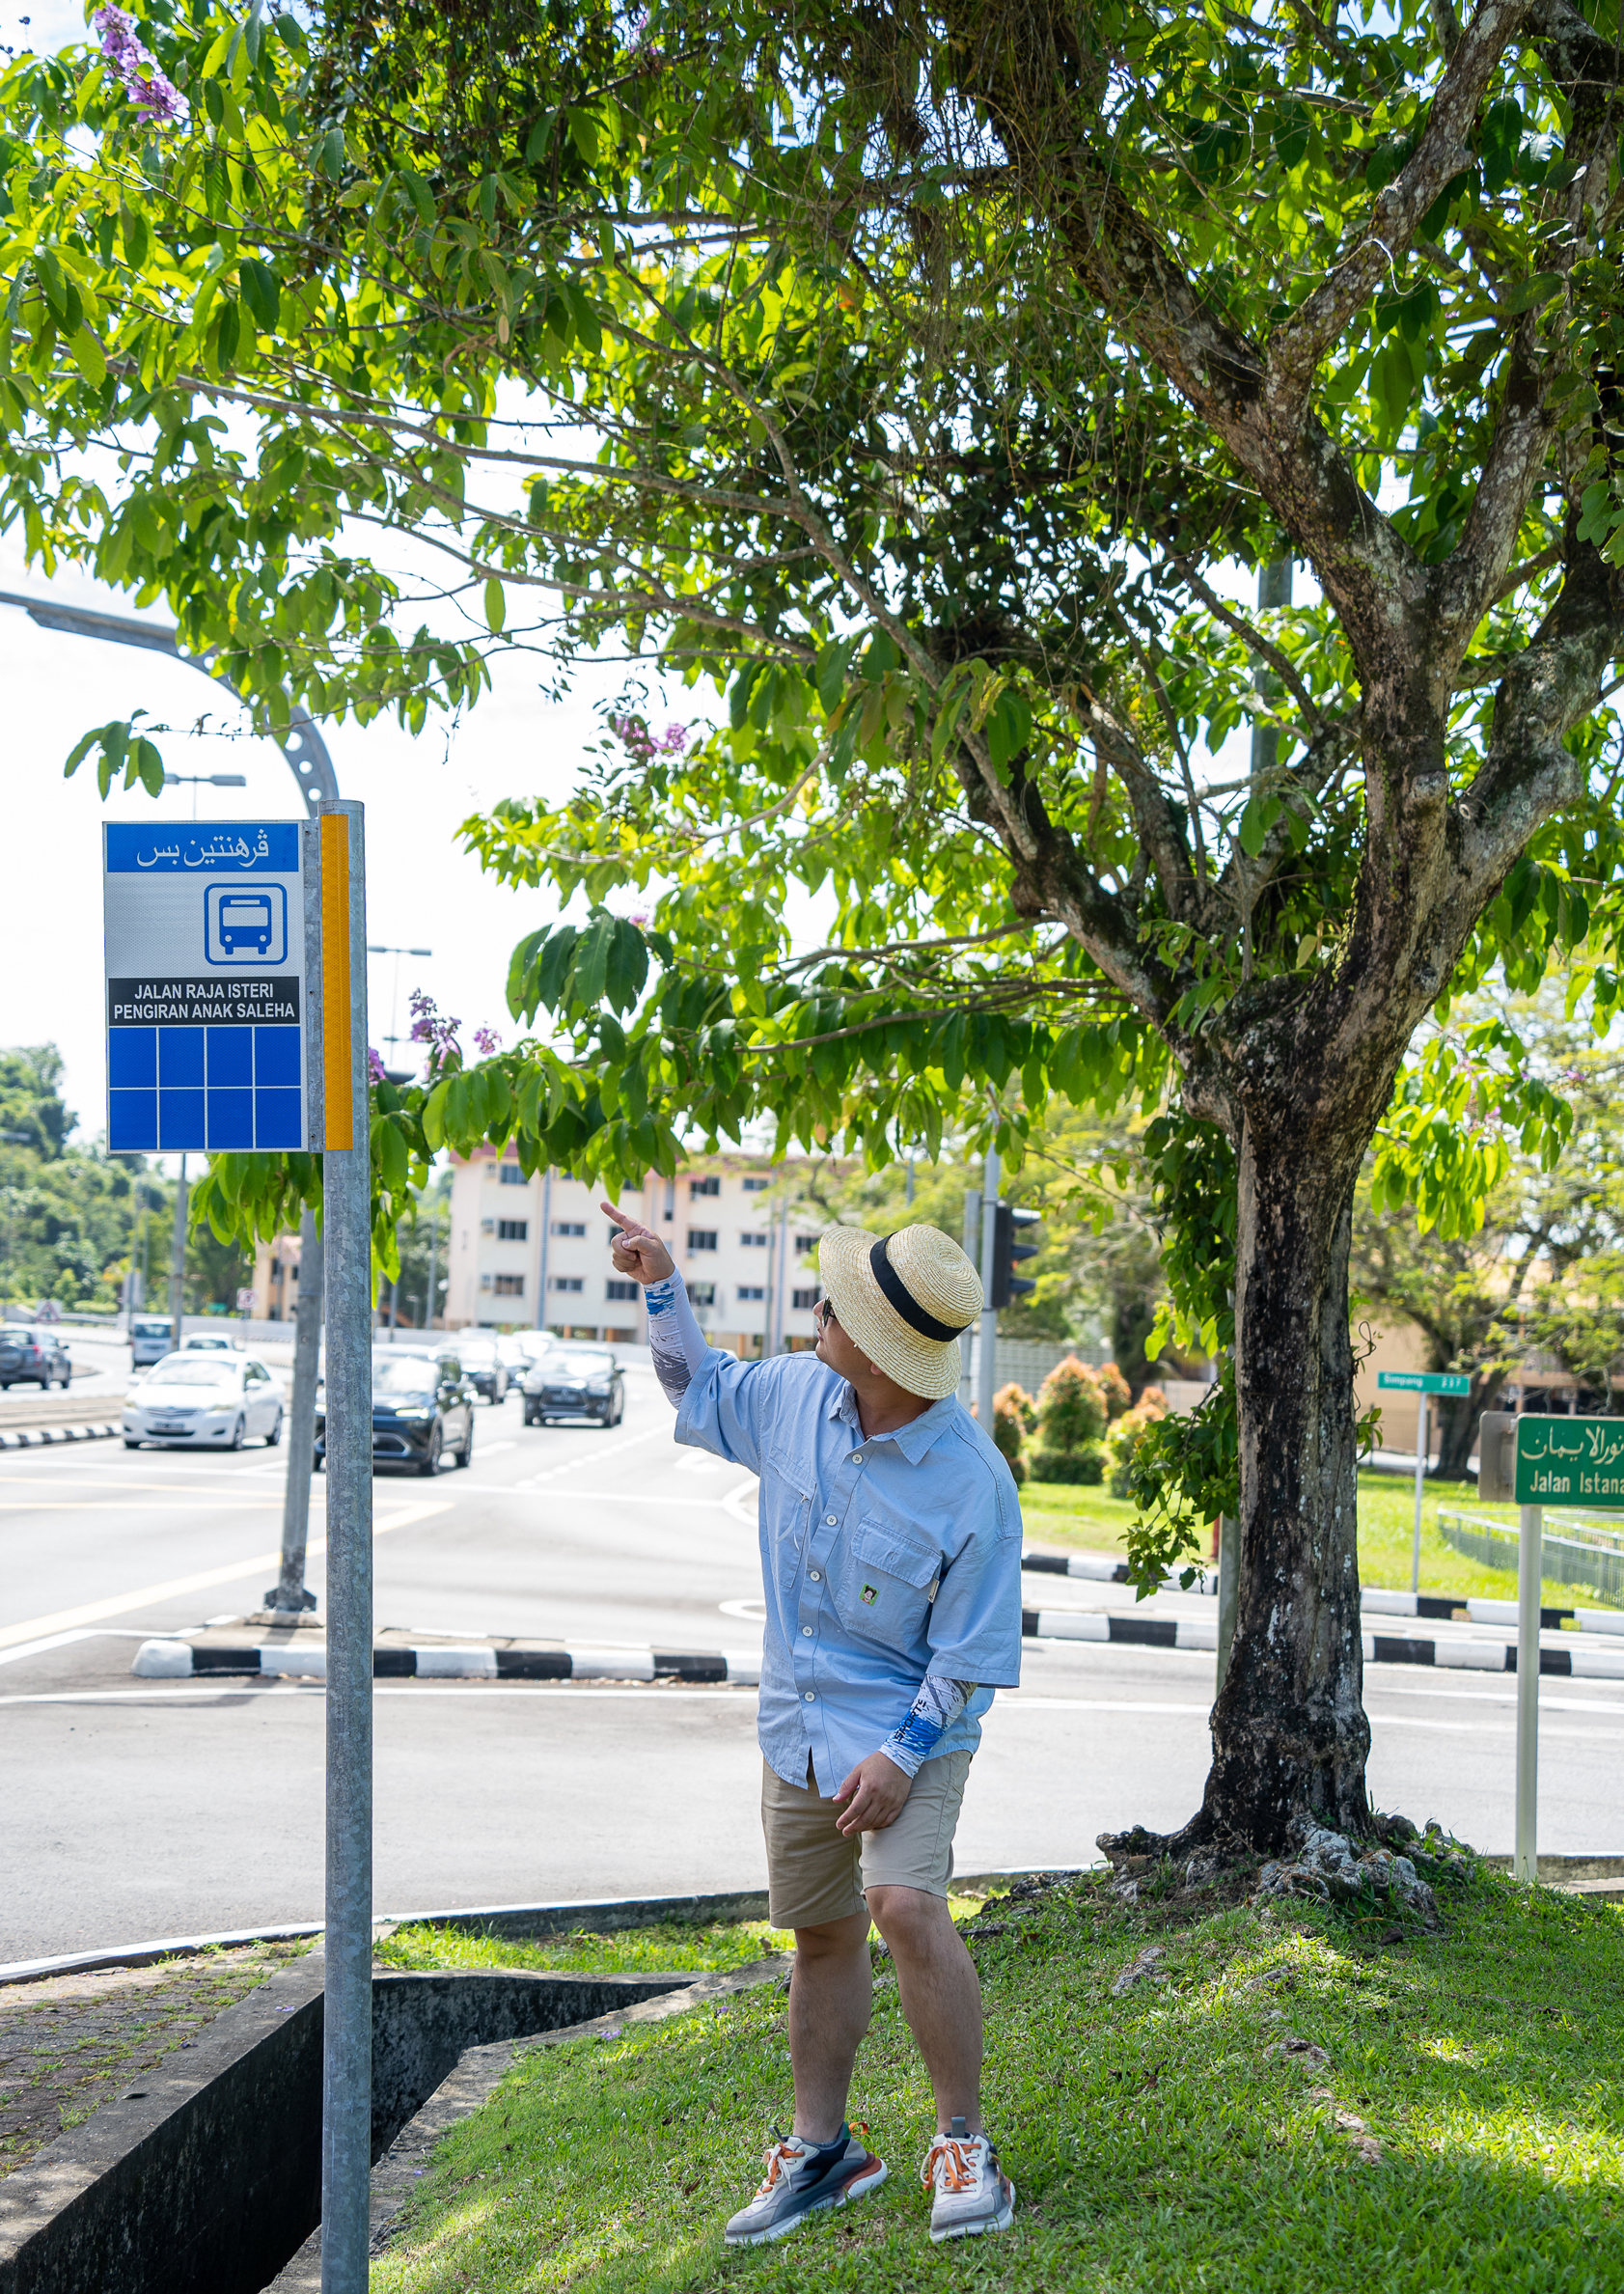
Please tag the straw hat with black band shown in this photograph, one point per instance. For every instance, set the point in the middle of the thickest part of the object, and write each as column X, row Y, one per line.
column 903, row 1299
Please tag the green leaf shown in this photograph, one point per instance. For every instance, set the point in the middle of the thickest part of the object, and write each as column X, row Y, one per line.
column 261, row 291
column 333, row 156
column 1531, row 295
column 496, row 607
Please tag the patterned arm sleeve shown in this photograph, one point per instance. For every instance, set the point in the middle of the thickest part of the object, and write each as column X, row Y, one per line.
column 938, row 1703
column 675, row 1339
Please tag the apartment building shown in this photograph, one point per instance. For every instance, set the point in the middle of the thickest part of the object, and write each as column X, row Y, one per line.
column 527, row 1253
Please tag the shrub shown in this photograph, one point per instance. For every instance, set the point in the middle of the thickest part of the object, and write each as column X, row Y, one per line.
column 1071, row 1410
column 1118, row 1394
column 1126, row 1434
column 1087, row 1464
column 1013, row 1415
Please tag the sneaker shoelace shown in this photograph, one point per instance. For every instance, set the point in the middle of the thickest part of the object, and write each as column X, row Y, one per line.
column 956, row 2158
column 783, row 2152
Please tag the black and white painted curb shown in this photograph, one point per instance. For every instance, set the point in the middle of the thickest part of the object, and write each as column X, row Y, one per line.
column 34, row 1437
column 1380, row 1648
column 300, row 1660
column 1099, row 1568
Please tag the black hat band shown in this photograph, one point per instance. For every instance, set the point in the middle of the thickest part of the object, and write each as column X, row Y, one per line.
column 906, row 1304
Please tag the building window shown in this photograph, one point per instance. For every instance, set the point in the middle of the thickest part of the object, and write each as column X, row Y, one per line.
column 701, row 1239
column 802, row 1301
column 751, row 1290
column 757, row 1186
column 569, row 1226
column 511, row 1175
column 806, row 1242
column 484, row 1282
column 620, row 1289
column 709, row 1186
column 701, row 1294
column 510, row 1286
column 753, row 1242
column 564, row 1282
column 512, row 1230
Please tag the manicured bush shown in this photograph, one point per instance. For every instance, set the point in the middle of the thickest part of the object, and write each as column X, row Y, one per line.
column 1071, row 1411
column 1117, row 1393
column 1126, row 1435
column 1085, row 1465
column 1013, row 1415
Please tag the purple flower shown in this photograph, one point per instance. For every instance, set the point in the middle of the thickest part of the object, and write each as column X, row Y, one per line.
column 136, row 72
column 374, row 1066
column 429, row 1027
column 488, row 1040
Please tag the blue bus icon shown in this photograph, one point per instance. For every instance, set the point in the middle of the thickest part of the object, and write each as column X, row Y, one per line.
column 245, row 924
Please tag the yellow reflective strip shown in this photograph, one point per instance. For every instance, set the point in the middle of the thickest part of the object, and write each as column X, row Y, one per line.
column 337, row 1052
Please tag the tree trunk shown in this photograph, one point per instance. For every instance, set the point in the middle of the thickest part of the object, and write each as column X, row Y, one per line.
column 1288, row 1729
column 1458, row 1424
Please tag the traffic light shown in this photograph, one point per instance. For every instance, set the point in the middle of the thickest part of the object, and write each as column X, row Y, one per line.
column 1008, row 1285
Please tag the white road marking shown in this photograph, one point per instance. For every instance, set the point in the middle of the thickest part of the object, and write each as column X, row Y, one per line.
column 753, row 1612
column 35, row 1648
column 743, row 1501
column 91, row 1613
column 253, row 1685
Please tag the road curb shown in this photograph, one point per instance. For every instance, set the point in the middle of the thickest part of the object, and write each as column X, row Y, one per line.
column 183, row 1660
column 31, row 1437
column 1098, row 1568
column 1380, row 1648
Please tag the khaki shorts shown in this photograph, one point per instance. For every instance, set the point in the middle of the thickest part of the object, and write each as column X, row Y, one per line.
column 815, row 1874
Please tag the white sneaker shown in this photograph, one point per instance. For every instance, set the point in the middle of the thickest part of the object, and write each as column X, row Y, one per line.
column 973, row 2192
column 803, row 2178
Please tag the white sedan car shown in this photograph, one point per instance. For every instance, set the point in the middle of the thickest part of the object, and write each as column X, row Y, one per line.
column 203, row 1400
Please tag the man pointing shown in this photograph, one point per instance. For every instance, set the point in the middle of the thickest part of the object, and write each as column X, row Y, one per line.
column 890, row 1558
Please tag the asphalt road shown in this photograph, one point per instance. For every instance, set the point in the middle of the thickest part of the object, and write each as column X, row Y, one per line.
column 136, row 1808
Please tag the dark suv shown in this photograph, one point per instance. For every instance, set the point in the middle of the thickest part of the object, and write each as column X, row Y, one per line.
column 34, row 1355
column 421, row 1406
column 483, row 1366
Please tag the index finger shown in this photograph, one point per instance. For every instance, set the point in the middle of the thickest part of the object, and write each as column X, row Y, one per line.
column 619, row 1218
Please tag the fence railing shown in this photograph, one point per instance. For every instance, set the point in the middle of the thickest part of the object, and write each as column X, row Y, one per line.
column 1580, row 1553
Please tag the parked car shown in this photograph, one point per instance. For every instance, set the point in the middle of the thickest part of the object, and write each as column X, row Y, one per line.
column 575, row 1382
column 483, row 1366
column 421, row 1406
column 150, row 1340
column 32, row 1354
column 204, row 1401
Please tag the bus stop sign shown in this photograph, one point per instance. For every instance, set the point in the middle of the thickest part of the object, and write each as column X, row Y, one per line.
column 206, row 986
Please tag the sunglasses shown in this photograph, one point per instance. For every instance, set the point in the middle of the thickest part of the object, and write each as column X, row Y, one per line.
column 823, row 1313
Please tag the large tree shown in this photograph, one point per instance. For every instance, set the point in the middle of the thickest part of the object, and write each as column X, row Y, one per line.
column 907, row 374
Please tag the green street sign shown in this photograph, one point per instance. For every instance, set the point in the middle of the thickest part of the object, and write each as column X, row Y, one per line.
column 1571, row 1461
column 1425, row 1381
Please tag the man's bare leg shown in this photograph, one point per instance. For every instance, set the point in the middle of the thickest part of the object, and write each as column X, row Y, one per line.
column 831, row 1998
column 940, row 1996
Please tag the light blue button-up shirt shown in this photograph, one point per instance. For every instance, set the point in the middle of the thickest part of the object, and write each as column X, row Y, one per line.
column 884, row 1557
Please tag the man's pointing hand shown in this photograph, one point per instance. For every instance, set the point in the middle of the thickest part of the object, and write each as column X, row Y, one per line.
column 637, row 1252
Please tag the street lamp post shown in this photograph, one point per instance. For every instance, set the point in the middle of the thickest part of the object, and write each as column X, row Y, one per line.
column 378, row 948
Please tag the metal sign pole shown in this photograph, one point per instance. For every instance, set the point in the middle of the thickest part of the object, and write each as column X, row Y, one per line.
column 1421, row 1448
column 1529, row 1537
column 986, row 1356
column 347, row 2114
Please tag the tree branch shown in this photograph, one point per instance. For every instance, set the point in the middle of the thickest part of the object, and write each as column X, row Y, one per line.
column 1296, row 349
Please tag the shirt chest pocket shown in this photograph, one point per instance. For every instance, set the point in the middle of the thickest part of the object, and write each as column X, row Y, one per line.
column 884, row 1583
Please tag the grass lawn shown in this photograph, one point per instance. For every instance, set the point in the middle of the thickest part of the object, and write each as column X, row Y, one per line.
column 1304, row 2103
column 1090, row 1519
